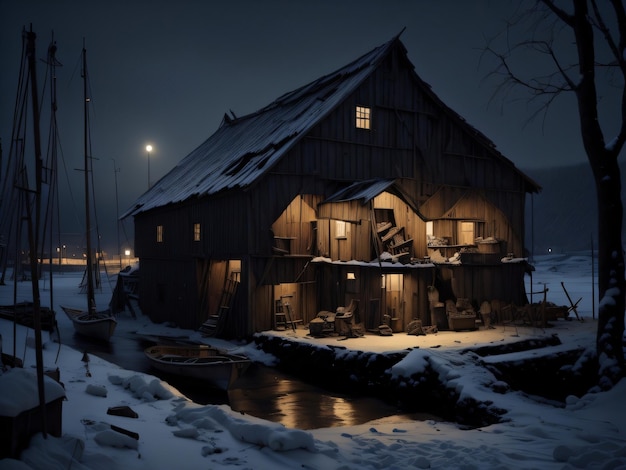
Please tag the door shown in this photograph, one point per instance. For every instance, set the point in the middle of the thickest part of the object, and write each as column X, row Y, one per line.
column 394, row 301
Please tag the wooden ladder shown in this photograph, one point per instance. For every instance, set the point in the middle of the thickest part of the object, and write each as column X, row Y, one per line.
column 214, row 325
column 283, row 316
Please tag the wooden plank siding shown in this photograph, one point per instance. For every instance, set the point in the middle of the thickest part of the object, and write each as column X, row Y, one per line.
column 501, row 281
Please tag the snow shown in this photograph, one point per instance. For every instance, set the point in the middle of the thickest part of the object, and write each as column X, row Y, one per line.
column 585, row 432
column 12, row 403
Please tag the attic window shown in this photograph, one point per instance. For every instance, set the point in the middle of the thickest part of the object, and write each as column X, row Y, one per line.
column 159, row 234
column 363, row 117
column 196, row 232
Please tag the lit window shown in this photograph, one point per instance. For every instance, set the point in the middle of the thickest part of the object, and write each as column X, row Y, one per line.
column 340, row 229
column 159, row 233
column 196, row 232
column 467, row 233
column 363, row 117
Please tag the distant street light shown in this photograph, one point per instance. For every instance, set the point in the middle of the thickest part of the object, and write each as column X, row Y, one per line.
column 127, row 253
column 149, row 150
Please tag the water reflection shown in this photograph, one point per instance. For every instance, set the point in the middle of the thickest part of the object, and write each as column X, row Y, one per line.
column 269, row 394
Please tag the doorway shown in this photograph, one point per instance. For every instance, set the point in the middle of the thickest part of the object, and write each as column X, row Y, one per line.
column 394, row 301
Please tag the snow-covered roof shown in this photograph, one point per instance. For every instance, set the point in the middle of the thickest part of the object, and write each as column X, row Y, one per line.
column 244, row 148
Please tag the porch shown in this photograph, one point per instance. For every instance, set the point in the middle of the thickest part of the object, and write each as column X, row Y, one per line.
column 503, row 333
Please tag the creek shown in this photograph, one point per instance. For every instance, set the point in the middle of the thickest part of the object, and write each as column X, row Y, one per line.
column 263, row 392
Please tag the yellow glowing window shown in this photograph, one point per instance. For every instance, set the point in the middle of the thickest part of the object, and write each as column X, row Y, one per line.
column 196, row 232
column 363, row 117
column 159, row 234
column 340, row 229
column 466, row 236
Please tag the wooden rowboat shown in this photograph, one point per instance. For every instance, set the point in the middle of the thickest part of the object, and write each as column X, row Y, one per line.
column 22, row 313
column 199, row 361
column 99, row 325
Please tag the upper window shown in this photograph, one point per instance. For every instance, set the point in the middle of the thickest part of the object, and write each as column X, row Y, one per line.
column 159, row 234
column 196, row 232
column 363, row 117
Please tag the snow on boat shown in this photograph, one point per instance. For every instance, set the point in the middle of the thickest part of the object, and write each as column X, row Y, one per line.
column 99, row 325
column 199, row 361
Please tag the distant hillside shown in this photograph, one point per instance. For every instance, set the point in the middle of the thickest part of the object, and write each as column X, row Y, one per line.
column 565, row 211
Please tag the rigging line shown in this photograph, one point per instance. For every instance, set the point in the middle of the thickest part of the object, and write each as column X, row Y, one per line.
column 68, row 185
column 22, row 85
column 52, row 63
column 126, row 237
column 16, row 157
column 49, row 180
column 77, row 66
column 95, row 210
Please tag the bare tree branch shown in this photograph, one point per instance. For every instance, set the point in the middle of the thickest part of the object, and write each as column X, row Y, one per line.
column 599, row 23
column 562, row 14
column 620, row 14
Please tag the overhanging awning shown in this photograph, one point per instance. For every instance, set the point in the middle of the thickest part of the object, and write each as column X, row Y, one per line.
column 363, row 191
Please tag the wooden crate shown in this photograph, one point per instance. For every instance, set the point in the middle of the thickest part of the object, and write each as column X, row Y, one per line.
column 462, row 322
column 17, row 430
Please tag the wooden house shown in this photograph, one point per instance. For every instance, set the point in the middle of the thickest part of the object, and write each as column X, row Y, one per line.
column 360, row 186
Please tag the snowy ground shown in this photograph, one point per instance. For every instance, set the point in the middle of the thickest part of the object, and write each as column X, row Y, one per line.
column 588, row 432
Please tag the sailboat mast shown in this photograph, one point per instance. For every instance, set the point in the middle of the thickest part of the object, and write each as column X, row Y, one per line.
column 33, row 228
column 91, row 303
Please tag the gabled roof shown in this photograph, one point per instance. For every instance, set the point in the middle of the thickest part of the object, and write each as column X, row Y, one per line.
column 244, row 148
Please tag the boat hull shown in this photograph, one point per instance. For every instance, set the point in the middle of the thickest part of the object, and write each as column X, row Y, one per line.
column 100, row 326
column 23, row 313
column 211, row 365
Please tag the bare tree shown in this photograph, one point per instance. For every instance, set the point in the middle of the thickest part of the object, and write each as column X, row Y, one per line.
column 579, row 43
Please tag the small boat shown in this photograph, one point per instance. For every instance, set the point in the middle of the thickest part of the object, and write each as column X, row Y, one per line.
column 199, row 361
column 99, row 325
column 23, row 313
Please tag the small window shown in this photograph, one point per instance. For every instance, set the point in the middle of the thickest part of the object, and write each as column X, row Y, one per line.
column 196, row 232
column 340, row 229
column 429, row 229
column 467, row 233
column 159, row 234
column 363, row 117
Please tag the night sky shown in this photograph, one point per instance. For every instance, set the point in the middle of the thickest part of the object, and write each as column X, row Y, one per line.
column 165, row 72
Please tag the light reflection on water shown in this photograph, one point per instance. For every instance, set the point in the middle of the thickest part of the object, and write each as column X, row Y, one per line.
column 271, row 395
column 262, row 392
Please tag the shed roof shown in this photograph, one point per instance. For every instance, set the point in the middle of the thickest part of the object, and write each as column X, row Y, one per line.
column 364, row 191
column 245, row 148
